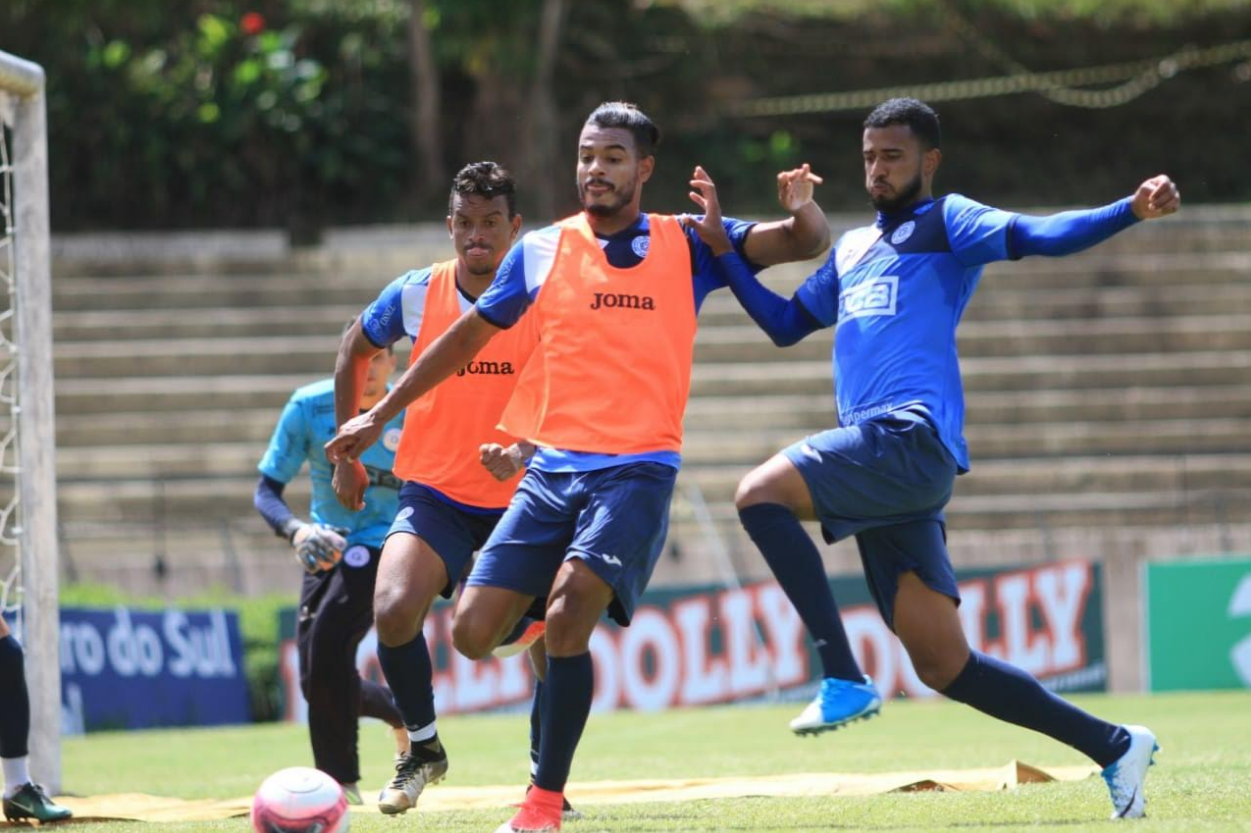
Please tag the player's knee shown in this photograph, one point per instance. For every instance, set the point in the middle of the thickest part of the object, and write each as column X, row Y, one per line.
column 755, row 488
column 474, row 637
column 936, row 666
column 569, row 625
column 397, row 616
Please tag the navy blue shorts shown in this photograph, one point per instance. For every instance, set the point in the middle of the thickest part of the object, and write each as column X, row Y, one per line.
column 886, row 482
column 614, row 519
column 454, row 534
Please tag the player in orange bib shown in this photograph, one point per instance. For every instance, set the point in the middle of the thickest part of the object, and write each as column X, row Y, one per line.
column 613, row 293
column 458, row 469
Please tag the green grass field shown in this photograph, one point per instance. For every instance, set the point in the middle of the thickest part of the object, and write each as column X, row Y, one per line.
column 1201, row 781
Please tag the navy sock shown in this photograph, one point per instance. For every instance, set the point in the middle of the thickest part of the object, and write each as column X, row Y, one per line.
column 536, row 724
column 14, row 700
column 410, row 674
column 1004, row 691
column 567, row 694
column 796, row 564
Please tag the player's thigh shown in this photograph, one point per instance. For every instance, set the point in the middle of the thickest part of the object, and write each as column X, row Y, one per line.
column 484, row 617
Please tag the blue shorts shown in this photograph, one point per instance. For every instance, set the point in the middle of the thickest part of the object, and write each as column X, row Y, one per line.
column 886, row 482
column 917, row 546
column 889, row 470
column 454, row 534
column 614, row 519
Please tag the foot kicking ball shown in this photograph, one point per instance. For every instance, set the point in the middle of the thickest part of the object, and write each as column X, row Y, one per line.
column 300, row 799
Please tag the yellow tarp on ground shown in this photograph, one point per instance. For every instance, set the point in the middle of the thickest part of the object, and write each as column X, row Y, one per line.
column 140, row 807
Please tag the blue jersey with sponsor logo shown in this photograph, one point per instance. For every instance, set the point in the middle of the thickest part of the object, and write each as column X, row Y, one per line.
column 895, row 292
column 306, row 425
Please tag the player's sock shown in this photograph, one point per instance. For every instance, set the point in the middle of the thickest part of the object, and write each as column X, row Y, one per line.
column 16, row 774
column 796, row 564
column 567, row 694
column 409, row 673
column 1004, row 691
column 14, row 711
column 536, row 726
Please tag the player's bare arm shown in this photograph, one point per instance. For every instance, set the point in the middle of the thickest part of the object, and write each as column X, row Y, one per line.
column 447, row 354
column 504, row 462
column 351, row 366
column 1155, row 198
column 710, row 228
column 801, row 237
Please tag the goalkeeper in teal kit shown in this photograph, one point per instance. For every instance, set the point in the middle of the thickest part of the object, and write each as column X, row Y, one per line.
column 339, row 551
column 894, row 291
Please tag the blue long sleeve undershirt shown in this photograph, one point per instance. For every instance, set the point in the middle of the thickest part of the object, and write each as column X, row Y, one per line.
column 268, row 501
column 786, row 322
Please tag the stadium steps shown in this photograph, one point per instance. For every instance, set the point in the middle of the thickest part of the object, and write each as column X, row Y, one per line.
column 1107, row 392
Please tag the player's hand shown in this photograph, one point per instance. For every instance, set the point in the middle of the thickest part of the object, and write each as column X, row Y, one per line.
column 318, row 546
column 355, row 435
column 502, row 462
column 350, row 480
column 795, row 188
column 710, row 228
column 1155, row 198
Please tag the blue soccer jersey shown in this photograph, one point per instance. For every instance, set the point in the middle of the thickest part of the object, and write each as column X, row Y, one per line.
column 895, row 292
column 306, row 424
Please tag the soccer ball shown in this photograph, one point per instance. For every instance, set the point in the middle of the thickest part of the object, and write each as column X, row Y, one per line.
column 300, row 799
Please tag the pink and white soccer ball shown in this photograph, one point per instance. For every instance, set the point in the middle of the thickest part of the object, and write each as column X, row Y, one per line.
column 300, row 799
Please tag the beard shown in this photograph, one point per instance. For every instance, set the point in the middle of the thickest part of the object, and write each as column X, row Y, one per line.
column 623, row 198
column 904, row 198
column 481, row 269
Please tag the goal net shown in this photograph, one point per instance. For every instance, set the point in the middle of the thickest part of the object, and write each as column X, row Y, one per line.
column 28, row 540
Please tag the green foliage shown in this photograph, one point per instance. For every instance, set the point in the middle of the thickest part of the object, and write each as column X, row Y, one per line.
column 258, row 628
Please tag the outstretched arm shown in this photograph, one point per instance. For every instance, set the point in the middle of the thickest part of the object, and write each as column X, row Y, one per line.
column 448, row 353
column 785, row 322
column 802, row 236
column 1075, row 231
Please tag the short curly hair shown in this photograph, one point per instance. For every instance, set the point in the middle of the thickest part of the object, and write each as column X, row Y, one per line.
column 486, row 179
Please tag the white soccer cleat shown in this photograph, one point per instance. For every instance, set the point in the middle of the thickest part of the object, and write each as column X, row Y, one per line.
column 412, row 775
column 1125, row 775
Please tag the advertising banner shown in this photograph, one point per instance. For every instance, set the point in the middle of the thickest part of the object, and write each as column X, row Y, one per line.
column 1198, row 615
column 124, row 669
column 699, row 645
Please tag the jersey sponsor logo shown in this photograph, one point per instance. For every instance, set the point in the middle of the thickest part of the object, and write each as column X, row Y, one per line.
column 876, row 296
column 640, row 245
column 620, row 300
column 485, row 368
column 356, row 556
column 903, row 232
column 391, row 439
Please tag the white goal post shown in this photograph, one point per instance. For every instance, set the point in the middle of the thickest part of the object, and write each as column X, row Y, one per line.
column 28, row 532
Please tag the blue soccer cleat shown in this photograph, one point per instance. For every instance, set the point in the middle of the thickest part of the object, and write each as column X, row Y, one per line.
column 1126, row 774
column 838, row 703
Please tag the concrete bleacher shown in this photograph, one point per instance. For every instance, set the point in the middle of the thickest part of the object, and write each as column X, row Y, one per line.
column 1108, row 399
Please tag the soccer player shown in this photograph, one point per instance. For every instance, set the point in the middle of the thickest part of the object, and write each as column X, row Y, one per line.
column 458, row 470
column 23, row 798
column 895, row 291
column 614, row 295
column 338, row 550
